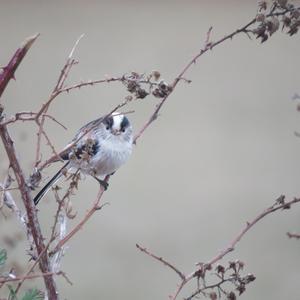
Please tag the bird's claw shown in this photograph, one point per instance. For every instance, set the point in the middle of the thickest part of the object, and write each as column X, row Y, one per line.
column 103, row 183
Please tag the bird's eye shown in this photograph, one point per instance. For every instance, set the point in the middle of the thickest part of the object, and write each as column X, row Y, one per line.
column 107, row 127
column 123, row 130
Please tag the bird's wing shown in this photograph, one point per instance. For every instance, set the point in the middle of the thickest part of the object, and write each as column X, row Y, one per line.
column 83, row 134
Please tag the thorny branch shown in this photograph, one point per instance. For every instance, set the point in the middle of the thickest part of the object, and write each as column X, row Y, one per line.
column 208, row 45
column 40, row 121
column 8, row 72
column 200, row 272
column 61, row 204
column 29, row 116
column 160, row 259
column 32, row 220
column 96, row 206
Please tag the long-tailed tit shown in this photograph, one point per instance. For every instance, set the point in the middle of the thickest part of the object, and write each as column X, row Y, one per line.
column 101, row 147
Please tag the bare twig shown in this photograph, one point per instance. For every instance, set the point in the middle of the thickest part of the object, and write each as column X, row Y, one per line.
column 30, row 270
column 93, row 209
column 208, row 45
column 275, row 207
column 89, row 83
column 293, row 235
column 59, row 85
column 8, row 189
column 160, row 259
column 32, row 276
column 28, row 116
column 280, row 204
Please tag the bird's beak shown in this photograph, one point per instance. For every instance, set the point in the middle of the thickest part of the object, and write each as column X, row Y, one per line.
column 116, row 132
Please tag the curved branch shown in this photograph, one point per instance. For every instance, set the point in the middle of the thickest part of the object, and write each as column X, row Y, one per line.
column 32, row 220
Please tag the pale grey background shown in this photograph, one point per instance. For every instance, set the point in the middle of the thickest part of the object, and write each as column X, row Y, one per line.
column 222, row 150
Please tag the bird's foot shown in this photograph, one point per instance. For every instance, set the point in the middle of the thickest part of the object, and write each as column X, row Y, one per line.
column 103, row 183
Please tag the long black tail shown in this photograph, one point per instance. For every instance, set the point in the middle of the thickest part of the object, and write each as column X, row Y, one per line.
column 47, row 187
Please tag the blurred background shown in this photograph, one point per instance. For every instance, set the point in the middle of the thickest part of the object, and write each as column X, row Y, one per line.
column 221, row 151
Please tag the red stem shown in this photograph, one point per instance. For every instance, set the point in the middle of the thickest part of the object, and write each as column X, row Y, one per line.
column 33, row 225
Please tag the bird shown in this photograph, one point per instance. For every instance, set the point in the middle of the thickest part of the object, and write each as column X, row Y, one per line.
column 99, row 149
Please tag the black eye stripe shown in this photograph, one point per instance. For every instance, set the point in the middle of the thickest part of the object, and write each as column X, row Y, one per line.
column 124, row 123
column 109, row 122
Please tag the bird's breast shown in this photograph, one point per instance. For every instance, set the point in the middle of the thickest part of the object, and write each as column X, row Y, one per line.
column 110, row 156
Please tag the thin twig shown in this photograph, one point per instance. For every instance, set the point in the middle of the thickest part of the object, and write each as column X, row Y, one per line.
column 293, row 235
column 93, row 209
column 51, row 239
column 21, row 116
column 160, row 259
column 207, row 46
column 279, row 205
column 8, row 189
column 89, row 83
column 59, row 85
column 30, row 270
column 33, row 276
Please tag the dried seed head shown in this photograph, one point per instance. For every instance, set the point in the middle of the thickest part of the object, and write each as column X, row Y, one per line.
column 135, row 75
column 34, row 179
column 295, row 14
column 157, row 93
column 69, row 210
column 272, row 25
column 162, row 90
column 262, row 5
column 64, row 171
column 241, row 288
column 286, row 21
column 163, row 85
column 260, row 17
column 156, row 75
column 290, row 6
column 249, row 278
column 264, row 37
column 141, row 93
column 231, row 296
column 232, row 265
column 128, row 98
column 240, row 264
column 213, row 296
column 280, row 200
column 260, row 30
column 282, row 3
column 132, row 86
column 293, row 30
column 220, row 269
